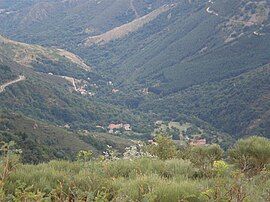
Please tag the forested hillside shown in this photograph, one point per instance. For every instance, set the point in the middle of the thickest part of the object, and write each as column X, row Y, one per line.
column 65, row 23
column 53, row 88
column 186, row 46
column 239, row 105
column 103, row 65
column 192, row 55
column 43, row 142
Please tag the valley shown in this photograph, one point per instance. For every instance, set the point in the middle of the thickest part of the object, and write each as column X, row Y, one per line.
column 169, row 60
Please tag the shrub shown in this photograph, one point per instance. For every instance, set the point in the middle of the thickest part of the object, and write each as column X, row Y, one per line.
column 164, row 148
column 251, row 155
column 84, row 155
column 203, row 157
column 155, row 188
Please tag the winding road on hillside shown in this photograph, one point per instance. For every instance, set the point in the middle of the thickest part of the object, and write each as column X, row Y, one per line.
column 3, row 86
column 71, row 80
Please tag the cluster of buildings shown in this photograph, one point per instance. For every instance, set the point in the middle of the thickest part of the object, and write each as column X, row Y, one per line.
column 114, row 127
column 145, row 91
column 83, row 91
column 197, row 142
column 115, row 90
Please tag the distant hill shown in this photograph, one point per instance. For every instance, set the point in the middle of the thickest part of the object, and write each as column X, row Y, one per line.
column 126, row 29
column 35, row 55
column 187, row 46
column 67, row 22
column 41, row 141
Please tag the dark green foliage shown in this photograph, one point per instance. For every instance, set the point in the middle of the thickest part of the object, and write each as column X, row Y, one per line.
column 232, row 105
column 32, row 151
column 5, row 73
column 66, row 24
column 251, row 155
column 163, row 148
column 50, row 99
column 183, row 57
column 42, row 142
column 62, row 67
column 184, row 61
column 203, row 157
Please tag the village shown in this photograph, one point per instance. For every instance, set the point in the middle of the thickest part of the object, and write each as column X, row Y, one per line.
column 115, row 128
column 180, row 133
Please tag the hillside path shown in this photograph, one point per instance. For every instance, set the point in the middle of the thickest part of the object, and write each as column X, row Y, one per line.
column 2, row 87
column 134, row 9
column 71, row 80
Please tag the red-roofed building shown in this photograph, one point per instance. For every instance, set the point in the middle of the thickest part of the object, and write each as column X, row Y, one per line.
column 197, row 142
column 115, row 126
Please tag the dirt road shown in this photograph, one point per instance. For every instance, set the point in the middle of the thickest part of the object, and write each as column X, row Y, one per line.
column 2, row 87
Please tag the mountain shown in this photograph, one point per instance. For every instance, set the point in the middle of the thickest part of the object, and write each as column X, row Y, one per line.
column 204, row 60
column 56, row 86
column 135, row 100
column 65, row 22
column 35, row 55
column 187, row 60
column 188, row 45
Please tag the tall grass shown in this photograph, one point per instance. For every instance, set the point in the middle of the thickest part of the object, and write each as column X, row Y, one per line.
column 138, row 178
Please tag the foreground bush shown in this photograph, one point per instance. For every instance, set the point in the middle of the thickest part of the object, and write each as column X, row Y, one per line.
column 251, row 155
column 204, row 157
column 155, row 188
column 139, row 177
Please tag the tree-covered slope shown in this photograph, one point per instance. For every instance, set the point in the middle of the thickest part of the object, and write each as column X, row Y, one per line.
column 188, row 45
column 187, row 60
column 239, row 106
column 67, row 22
column 52, row 88
column 57, row 61
column 41, row 141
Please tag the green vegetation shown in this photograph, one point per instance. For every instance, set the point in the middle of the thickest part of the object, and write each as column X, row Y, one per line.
column 52, row 99
column 58, row 23
column 163, row 149
column 142, row 177
column 201, row 74
column 251, row 155
column 5, row 74
column 205, row 157
column 42, row 142
column 238, row 106
column 188, row 66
